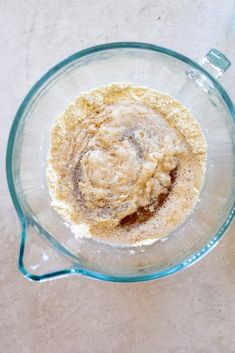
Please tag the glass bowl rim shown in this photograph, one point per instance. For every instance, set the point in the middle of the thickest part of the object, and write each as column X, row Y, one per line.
column 9, row 164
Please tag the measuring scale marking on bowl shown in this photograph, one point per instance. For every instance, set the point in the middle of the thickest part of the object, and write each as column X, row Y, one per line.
column 48, row 248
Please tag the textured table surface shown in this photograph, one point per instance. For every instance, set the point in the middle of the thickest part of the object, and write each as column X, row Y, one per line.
column 192, row 312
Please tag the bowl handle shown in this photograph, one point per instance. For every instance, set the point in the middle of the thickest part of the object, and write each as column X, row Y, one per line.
column 215, row 63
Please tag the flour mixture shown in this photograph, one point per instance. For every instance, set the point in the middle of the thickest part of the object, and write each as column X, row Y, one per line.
column 126, row 164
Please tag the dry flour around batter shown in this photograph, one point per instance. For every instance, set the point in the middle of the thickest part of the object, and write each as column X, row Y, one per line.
column 127, row 162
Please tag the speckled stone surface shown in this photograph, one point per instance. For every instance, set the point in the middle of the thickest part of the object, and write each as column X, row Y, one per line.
column 192, row 312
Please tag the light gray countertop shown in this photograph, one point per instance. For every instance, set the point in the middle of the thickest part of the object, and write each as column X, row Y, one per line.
column 192, row 312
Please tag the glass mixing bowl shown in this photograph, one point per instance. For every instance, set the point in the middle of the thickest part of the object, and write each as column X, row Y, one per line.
column 48, row 248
